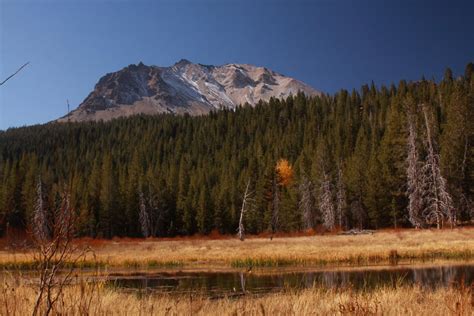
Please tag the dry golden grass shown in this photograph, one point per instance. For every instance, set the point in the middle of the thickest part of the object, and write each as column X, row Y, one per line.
column 17, row 298
column 18, row 294
column 379, row 248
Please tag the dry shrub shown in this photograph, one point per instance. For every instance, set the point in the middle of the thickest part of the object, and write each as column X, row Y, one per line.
column 361, row 305
column 86, row 298
column 460, row 300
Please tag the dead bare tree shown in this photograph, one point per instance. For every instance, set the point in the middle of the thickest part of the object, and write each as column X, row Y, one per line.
column 340, row 196
column 40, row 228
column 12, row 75
column 55, row 253
column 326, row 204
column 150, row 212
column 439, row 202
column 306, row 202
column 275, row 206
column 465, row 203
column 414, row 178
column 144, row 216
column 245, row 204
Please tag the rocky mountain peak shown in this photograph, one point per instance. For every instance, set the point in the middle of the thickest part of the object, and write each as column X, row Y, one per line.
column 182, row 88
column 182, row 62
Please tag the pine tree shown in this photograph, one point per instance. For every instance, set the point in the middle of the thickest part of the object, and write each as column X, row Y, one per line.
column 204, row 212
column 375, row 197
column 28, row 191
column 91, row 205
column 392, row 157
column 307, row 203
column 356, row 179
column 172, row 158
column 107, row 197
column 134, row 182
column 182, row 195
column 456, row 141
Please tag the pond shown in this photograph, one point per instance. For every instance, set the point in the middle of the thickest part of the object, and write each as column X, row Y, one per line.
column 239, row 283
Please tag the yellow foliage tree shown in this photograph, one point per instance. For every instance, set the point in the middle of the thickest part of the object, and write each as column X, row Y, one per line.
column 285, row 172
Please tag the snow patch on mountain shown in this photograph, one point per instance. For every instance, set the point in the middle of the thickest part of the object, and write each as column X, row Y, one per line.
column 182, row 88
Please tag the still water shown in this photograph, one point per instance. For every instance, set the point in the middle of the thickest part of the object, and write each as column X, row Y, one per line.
column 235, row 283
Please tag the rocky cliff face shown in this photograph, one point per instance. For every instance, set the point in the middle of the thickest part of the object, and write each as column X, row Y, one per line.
column 183, row 88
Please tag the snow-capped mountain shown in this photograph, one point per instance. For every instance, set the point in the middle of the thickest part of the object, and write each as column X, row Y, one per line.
column 183, row 88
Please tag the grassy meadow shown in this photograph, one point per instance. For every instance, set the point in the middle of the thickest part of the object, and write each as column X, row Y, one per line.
column 382, row 247
column 19, row 290
column 86, row 299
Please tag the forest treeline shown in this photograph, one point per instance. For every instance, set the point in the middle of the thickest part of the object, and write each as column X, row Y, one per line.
column 379, row 157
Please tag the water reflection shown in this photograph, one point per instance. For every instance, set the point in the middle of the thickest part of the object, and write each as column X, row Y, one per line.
column 241, row 282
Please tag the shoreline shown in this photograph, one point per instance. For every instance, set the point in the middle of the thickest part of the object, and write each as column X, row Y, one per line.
column 320, row 251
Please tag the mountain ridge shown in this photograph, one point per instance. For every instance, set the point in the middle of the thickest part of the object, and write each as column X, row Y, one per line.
column 184, row 87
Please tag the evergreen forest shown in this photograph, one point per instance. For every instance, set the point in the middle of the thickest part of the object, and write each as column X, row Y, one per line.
column 384, row 156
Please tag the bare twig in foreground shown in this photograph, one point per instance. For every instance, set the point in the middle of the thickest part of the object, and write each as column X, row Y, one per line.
column 19, row 69
column 55, row 254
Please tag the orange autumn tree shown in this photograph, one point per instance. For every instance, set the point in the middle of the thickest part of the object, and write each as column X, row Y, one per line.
column 285, row 172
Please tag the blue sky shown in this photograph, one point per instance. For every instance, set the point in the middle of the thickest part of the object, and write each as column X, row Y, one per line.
column 327, row 44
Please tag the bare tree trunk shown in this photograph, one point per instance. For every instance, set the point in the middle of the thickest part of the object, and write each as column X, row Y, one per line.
column 465, row 202
column 432, row 166
column 326, row 204
column 414, row 177
column 341, row 196
column 276, row 207
column 155, row 215
column 306, row 202
column 439, row 200
column 144, row 216
column 245, row 202
column 40, row 220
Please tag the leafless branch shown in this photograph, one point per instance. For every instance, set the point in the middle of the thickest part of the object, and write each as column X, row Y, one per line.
column 245, row 204
column 54, row 252
column 415, row 184
column 307, row 203
column 439, row 202
column 326, row 204
column 275, row 206
column 340, row 196
column 144, row 216
column 12, row 75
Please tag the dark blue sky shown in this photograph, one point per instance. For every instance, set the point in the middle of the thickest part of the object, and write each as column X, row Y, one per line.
column 327, row 44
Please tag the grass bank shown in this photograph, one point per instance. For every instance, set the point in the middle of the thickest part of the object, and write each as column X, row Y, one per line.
column 382, row 247
column 17, row 298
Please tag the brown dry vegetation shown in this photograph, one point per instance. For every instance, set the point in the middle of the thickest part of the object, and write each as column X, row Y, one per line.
column 17, row 293
column 17, row 298
column 379, row 248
